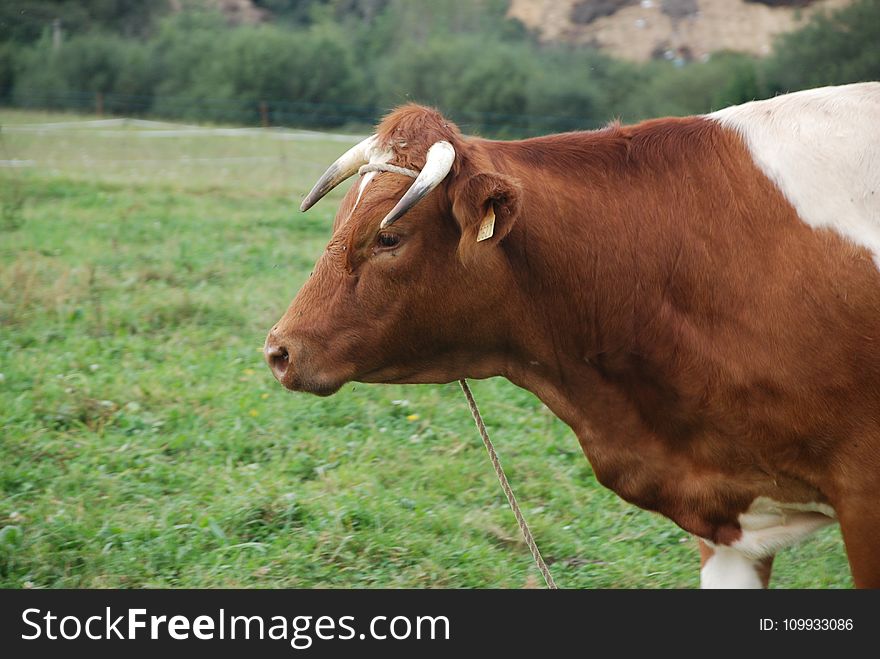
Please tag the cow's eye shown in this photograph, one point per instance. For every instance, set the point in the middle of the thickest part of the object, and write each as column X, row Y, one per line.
column 388, row 240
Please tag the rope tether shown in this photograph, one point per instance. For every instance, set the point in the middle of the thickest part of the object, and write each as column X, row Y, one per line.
column 493, row 456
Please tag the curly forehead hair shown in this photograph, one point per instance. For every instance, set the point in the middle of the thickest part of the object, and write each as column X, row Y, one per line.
column 410, row 130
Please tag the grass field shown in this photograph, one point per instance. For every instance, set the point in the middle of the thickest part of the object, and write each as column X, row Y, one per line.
column 145, row 444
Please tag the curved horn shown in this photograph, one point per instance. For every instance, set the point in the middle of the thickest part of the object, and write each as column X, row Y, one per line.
column 347, row 165
column 438, row 162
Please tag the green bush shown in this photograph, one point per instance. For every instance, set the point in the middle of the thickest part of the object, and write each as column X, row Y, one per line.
column 831, row 50
column 698, row 87
column 39, row 81
column 481, row 85
column 578, row 88
column 187, row 53
column 210, row 72
column 71, row 76
column 7, row 71
column 27, row 22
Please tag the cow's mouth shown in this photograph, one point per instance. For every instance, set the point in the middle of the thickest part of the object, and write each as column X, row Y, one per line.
column 311, row 386
column 301, row 380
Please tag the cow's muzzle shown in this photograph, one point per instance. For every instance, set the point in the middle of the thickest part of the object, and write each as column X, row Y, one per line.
column 292, row 367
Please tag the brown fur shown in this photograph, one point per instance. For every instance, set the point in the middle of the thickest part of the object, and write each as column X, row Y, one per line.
column 650, row 285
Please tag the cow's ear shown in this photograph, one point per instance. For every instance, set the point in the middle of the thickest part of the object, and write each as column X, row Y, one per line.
column 485, row 205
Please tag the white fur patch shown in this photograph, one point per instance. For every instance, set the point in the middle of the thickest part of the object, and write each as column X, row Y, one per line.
column 822, row 149
column 728, row 568
column 376, row 157
column 363, row 184
column 767, row 526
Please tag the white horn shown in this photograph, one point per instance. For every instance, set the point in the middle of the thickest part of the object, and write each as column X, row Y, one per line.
column 438, row 162
column 347, row 165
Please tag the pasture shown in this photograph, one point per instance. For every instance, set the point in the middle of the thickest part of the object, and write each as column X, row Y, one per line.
column 145, row 443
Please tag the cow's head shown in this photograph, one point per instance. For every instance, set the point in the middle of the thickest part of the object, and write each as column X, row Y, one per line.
column 405, row 291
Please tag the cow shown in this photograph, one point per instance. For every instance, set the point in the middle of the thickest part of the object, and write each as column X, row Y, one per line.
column 698, row 298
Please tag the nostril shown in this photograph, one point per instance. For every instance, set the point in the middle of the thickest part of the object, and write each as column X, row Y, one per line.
column 278, row 359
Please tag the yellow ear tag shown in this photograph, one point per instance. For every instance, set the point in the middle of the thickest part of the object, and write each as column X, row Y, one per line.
column 487, row 227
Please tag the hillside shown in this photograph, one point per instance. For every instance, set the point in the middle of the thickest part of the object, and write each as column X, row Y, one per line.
column 641, row 30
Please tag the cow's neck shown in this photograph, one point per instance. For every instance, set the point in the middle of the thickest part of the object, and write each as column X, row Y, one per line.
column 587, row 281
column 597, row 267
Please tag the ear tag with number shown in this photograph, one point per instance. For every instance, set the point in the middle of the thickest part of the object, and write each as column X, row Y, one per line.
column 487, row 227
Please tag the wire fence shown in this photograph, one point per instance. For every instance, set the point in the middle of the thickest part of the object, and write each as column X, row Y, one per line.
column 284, row 112
column 139, row 151
column 150, row 129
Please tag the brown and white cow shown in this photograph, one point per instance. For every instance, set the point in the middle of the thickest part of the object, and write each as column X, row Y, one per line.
column 697, row 298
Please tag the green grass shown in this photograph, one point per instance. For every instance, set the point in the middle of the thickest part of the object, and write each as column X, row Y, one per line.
column 145, row 444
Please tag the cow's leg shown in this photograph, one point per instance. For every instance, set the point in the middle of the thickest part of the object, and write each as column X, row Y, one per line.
column 860, row 526
column 725, row 567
